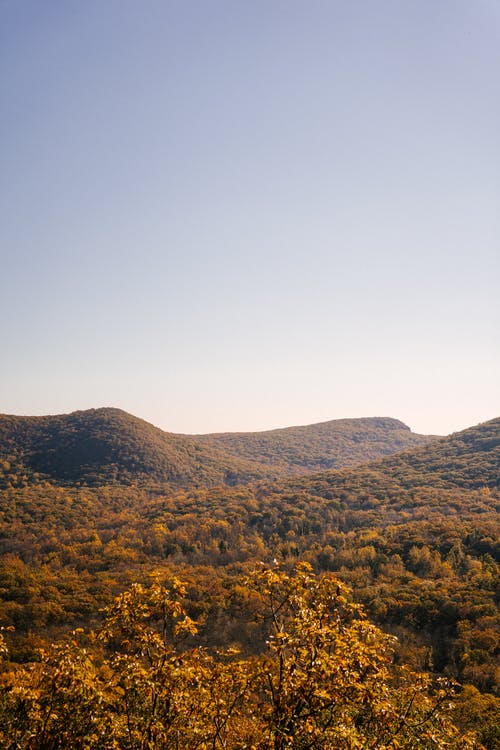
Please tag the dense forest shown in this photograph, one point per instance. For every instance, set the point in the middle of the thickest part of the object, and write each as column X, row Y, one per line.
column 414, row 537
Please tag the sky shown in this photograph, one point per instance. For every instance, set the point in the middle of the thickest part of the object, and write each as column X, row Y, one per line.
column 230, row 215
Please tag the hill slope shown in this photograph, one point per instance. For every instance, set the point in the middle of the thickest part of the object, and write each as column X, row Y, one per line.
column 106, row 445
column 470, row 458
column 336, row 444
column 99, row 446
column 465, row 460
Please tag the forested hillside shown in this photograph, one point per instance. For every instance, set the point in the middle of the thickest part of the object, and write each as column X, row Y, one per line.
column 415, row 535
column 103, row 446
column 336, row 444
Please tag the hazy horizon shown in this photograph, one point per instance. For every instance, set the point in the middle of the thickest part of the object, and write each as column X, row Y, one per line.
column 228, row 216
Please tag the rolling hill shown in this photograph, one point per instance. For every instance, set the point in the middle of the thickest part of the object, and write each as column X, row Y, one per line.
column 102, row 446
column 336, row 444
column 465, row 460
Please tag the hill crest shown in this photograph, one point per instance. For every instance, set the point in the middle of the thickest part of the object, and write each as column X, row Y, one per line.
column 108, row 445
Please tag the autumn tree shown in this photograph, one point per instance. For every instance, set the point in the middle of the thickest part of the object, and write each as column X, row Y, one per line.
column 328, row 680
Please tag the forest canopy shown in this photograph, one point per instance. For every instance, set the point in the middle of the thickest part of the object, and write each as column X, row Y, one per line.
column 325, row 680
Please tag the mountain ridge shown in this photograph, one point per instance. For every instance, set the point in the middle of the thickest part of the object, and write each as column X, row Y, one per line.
column 320, row 446
column 98, row 446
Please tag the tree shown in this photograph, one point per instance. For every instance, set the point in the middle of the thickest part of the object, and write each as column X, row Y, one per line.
column 328, row 681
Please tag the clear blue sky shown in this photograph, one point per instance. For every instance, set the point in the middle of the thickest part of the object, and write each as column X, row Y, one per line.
column 242, row 215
